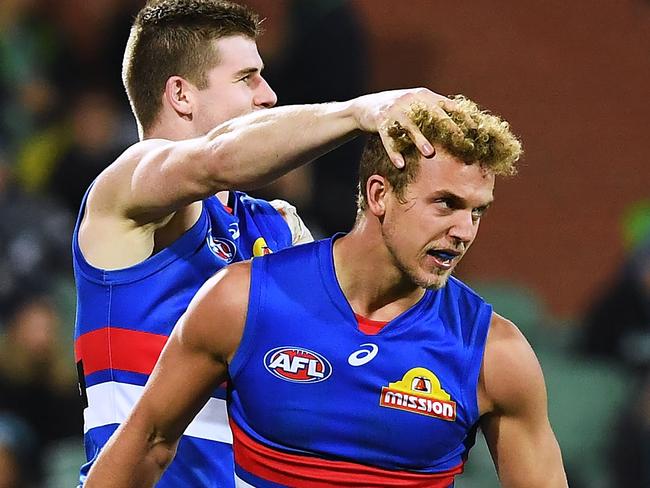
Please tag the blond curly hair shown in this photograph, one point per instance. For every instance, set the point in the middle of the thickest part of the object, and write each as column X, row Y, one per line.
column 486, row 140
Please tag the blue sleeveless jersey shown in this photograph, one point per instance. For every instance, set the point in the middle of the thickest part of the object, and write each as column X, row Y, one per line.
column 315, row 403
column 125, row 316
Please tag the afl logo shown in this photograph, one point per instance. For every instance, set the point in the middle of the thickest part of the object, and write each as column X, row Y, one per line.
column 222, row 248
column 297, row 365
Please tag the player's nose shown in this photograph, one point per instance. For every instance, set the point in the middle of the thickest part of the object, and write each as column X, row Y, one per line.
column 464, row 227
column 265, row 96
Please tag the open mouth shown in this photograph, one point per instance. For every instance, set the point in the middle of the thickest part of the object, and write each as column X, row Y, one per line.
column 443, row 258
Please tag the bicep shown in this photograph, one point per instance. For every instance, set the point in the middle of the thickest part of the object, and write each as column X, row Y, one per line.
column 154, row 178
column 525, row 451
column 516, row 427
column 169, row 176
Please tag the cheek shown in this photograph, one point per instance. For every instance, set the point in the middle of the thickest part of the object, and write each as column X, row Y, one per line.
column 404, row 233
column 476, row 227
column 432, row 226
column 235, row 109
column 240, row 98
column 405, row 223
column 218, row 106
column 209, row 112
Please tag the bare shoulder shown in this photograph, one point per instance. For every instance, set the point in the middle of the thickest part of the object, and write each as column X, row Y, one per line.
column 225, row 289
column 111, row 189
column 511, row 377
column 221, row 304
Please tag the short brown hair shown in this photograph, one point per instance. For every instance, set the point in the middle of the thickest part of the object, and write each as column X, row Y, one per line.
column 174, row 37
column 487, row 140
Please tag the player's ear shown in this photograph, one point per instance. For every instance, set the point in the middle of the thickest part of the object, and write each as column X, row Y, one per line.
column 179, row 94
column 376, row 192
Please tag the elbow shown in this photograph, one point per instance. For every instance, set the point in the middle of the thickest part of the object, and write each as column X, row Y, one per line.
column 161, row 451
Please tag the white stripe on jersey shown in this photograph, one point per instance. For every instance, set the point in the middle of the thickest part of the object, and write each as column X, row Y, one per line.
column 240, row 483
column 111, row 403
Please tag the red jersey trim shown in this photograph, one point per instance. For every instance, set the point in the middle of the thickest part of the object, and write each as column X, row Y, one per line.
column 115, row 348
column 368, row 326
column 312, row 472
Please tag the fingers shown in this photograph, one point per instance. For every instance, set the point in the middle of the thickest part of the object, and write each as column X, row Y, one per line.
column 445, row 104
column 421, row 142
column 399, row 115
column 441, row 108
column 444, row 107
column 388, row 141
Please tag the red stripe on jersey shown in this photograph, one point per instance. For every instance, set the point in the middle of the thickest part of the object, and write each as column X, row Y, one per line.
column 312, row 472
column 115, row 348
column 369, row 327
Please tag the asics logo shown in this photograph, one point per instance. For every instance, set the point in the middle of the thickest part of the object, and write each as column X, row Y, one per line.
column 363, row 356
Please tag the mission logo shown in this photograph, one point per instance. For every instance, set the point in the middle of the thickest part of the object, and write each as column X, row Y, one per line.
column 419, row 391
column 297, row 365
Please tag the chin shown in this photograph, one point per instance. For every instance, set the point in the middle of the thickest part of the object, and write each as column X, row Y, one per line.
column 436, row 284
column 431, row 282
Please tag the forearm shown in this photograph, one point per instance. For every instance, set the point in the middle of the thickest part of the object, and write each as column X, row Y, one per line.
column 158, row 176
column 253, row 150
column 130, row 461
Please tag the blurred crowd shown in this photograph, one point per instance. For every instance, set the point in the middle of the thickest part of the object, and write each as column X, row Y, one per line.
column 64, row 117
column 62, row 120
column 617, row 327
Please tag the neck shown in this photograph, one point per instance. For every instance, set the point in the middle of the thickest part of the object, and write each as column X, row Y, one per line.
column 366, row 271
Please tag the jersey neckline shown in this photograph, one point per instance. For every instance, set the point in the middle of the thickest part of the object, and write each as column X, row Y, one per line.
column 333, row 287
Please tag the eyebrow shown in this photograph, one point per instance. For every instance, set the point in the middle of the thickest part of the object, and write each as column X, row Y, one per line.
column 248, row 71
column 458, row 201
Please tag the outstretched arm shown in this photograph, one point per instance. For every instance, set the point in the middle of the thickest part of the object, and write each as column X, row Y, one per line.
column 192, row 364
column 516, row 426
column 155, row 177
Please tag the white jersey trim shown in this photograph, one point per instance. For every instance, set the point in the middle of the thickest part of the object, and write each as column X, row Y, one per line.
column 111, row 403
column 240, row 483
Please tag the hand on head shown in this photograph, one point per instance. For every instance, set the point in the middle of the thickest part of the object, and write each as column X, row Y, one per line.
column 384, row 111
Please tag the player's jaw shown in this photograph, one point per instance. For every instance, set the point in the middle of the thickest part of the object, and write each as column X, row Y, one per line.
column 436, row 263
column 429, row 268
